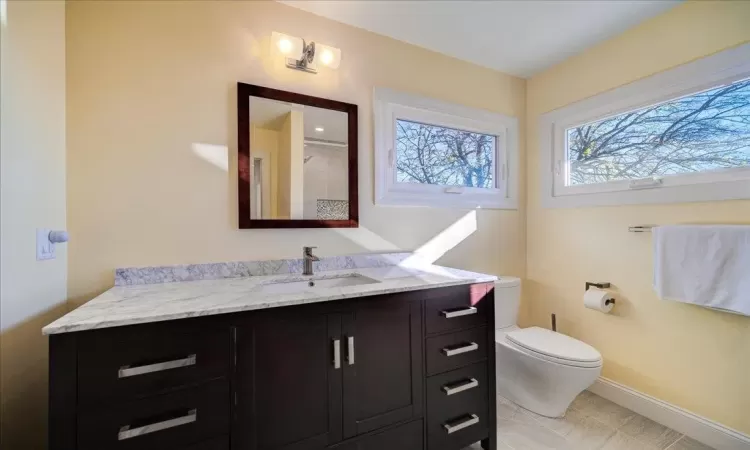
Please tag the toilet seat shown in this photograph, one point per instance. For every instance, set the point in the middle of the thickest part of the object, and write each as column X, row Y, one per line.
column 551, row 346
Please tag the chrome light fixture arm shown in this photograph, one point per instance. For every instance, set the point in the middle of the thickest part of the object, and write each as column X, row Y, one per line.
column 306, row 60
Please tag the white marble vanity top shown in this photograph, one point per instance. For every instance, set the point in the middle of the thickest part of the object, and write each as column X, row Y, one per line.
column 135, row 303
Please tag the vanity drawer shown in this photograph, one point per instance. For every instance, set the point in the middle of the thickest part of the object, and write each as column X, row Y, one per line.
column 168, row 421
column 457, row 308
column 142, row 360
column 450, row 392
column 458, row 408
column 451, row 351
column 459, row 431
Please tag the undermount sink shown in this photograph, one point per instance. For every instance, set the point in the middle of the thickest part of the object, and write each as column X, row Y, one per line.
column 313, row 284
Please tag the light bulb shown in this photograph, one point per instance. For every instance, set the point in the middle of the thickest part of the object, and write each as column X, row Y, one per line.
column 326, row 57
column 285, row 46
column 329, row 56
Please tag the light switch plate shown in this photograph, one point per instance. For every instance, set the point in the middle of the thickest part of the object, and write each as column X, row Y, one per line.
column 44, row 248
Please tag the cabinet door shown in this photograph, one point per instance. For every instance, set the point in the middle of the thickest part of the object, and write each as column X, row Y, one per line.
column 382, row 341
column 289, row 390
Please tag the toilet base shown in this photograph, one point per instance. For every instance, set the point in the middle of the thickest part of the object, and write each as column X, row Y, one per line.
column 543, row 387
column 552, row 410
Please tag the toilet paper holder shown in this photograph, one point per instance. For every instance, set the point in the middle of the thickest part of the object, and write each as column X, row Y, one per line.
column 601, row 286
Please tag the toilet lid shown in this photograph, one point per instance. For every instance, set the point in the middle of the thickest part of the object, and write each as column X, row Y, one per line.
column 556, row 345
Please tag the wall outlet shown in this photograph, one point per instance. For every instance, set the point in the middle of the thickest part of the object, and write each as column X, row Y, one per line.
column 44, row 248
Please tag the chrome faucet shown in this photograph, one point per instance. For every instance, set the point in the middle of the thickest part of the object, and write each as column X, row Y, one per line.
column 307, row 260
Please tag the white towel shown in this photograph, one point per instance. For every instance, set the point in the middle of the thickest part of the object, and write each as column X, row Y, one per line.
column 707, row 265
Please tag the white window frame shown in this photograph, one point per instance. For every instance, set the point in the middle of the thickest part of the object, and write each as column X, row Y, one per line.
column 390, row 105
column 724, row 67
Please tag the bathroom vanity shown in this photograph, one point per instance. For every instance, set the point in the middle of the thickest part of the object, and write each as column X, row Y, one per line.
column 372, row 358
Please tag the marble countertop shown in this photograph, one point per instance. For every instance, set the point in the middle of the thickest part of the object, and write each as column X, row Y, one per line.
column 143, row 303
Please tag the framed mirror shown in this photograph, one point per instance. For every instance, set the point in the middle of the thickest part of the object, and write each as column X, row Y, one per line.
column 297, row 160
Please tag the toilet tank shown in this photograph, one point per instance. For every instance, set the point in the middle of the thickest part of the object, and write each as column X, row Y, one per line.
column 507, row 301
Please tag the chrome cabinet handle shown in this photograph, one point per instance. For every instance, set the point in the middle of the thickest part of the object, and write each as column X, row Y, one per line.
column 472, row 420
column 126, row 432
column 459, row 312
column 336, row 354
column 350, row 350
column 457, row 351
column 471, row 383
column 127, row 371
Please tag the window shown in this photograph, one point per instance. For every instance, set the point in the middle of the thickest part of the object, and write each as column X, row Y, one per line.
column 431, row 153
column 682, row 135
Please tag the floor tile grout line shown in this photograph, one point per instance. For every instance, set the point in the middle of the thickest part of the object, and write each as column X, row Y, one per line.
column 589, row 416
column 641, row 440
column 682, row 436
column 673, row 442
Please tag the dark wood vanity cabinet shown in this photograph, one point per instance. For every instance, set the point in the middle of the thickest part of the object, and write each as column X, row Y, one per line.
column 289, row 394
column 313, row 376
column 383, row 364
column 403, row 371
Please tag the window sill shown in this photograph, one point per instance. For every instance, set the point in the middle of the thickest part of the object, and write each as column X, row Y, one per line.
column 455, row 201
column 704, row 192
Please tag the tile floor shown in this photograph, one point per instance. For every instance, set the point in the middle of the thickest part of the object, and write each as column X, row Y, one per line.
column 591, row 423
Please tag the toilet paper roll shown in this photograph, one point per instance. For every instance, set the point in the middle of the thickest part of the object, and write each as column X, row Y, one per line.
column 597, row 299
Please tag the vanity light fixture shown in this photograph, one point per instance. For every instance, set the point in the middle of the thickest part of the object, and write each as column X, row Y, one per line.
column 310, row 55
column 319, row 129
column 329, row 56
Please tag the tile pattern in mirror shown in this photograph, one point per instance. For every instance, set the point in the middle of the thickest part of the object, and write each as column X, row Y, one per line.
column 591, row 423
column 333, row 209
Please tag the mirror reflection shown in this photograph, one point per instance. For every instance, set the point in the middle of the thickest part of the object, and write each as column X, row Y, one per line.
column 298, row 161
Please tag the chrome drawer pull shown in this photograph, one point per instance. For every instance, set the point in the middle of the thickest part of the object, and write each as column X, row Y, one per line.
column 336, row 353
column 126, row 432
column 471, row 383
column 460, row 312
column 473, row 420
column 457, row 351
column 350, row 350
column 127, row 371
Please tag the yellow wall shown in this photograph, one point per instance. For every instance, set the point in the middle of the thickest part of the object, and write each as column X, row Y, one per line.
column 689, row 356
column 147, row 80
column 284, row 169
column 296, row 160
column 289, row 167
column 265, row 142
column 32, row 171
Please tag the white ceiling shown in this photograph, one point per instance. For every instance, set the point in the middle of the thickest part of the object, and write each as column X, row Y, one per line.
column 514, row 36
column 270, row 114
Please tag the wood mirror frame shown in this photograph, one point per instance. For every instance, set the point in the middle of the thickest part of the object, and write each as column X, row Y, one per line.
column 244, row 171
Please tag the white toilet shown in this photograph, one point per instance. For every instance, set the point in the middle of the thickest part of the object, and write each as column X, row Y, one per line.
column 538, row 369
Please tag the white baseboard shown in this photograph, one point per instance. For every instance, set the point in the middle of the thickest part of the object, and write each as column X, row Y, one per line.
column 692, row 425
